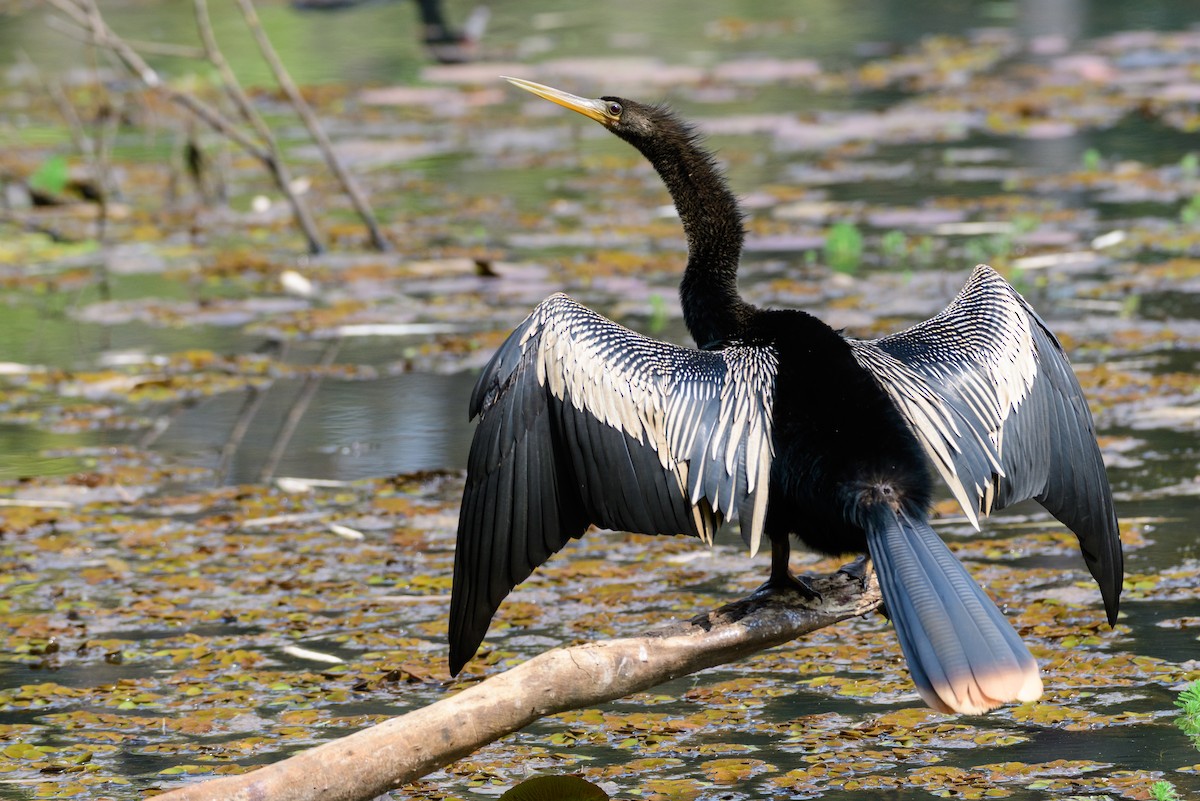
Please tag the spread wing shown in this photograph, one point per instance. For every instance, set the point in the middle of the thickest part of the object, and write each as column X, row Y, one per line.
column 583, row 421
column 989, row 392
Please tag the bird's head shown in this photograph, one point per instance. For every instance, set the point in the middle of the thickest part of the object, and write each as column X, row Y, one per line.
column 627, row 119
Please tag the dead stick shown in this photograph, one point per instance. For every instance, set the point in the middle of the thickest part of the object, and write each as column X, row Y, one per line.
column 65, row 108
column 398, row 751
column 105, row 37
column 232, row 85
column 152, row 48
column 150, row 78
column 315, row 129
column 274, row 161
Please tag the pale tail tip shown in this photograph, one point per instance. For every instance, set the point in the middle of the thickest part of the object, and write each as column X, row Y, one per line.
column 1031, row 690
column 973, row 699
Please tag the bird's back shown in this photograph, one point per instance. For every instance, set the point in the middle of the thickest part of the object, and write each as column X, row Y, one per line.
column 837, row 433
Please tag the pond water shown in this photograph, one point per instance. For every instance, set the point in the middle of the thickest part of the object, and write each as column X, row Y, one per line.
column 156, row 385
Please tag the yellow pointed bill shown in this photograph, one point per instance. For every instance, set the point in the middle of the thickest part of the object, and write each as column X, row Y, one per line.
column 594, row 109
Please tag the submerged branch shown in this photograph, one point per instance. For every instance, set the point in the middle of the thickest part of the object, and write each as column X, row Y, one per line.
column 371, row 762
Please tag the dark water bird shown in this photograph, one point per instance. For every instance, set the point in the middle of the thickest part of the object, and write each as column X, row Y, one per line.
column 787, row 425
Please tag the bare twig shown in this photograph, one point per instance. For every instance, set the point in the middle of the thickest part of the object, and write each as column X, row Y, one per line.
column 315, row 129
column 241, row 101
column 80, row 13
column 152, row 48
column 65, row 107
column 213, row 53
column 108, row 120
column 233, row 87
column 401, row 750
column 137, row 65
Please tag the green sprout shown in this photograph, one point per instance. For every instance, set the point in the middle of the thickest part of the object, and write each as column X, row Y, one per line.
column 1190, row 213
column 894, row 246
column 1092, row 160
column 51, row 176
column 1189, row 166
column 1188, row 722
column 1163, row 791
column 658, row 313
column 993, row 249
column 1189, row 716
column 844, row 247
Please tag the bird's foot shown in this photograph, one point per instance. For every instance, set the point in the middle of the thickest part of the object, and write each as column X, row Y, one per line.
column 859, row 569
column 789, row 584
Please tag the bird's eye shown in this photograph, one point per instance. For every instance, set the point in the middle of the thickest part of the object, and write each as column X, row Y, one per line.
column 614, row 109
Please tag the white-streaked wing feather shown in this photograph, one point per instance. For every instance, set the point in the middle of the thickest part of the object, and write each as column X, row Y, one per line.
column 709, row 409
column 584, row 421
column 990, row 394
column 961, row 377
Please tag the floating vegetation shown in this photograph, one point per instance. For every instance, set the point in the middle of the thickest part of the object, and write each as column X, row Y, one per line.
column 160, row 626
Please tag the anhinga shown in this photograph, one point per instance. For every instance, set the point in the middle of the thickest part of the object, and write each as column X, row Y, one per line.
column 783, row 422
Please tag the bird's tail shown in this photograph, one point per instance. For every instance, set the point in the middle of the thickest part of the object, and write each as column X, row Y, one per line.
column 963, row 655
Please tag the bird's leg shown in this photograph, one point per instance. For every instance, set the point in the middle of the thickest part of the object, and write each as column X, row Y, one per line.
column 781, row 579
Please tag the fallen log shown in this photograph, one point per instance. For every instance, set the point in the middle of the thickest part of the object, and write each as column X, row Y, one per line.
column 370, row 762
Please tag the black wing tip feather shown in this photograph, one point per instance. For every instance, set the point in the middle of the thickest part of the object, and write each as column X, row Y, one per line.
column 463, row 642
column 1111, row 569
column 1086, row 507
column 460, row 655
column 468, row 621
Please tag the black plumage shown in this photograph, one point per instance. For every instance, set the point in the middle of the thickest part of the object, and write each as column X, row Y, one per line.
column 788, row 426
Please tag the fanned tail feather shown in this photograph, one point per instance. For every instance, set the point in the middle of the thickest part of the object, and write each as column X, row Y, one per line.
column 963, row 655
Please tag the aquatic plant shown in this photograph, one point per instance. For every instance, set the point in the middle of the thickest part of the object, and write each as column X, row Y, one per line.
column 1189, row 166
column 844, row 247
column 1189, row 717
column 1189, row 723
column 1163, row 791
column 51, row 176
column 1190, row 213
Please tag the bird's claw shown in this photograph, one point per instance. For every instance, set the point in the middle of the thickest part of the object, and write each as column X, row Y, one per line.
column 799, row 585
column 859, row 569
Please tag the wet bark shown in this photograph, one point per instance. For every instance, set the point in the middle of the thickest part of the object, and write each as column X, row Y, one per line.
column 368, row 763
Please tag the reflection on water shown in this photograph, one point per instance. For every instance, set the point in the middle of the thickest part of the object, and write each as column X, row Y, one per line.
column 351, row 429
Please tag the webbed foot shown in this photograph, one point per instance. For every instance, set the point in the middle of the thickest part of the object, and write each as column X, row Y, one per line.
column 799, row 585
column 859, row 569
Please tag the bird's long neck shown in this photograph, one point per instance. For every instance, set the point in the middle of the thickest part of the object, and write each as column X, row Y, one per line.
column 712, row 222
